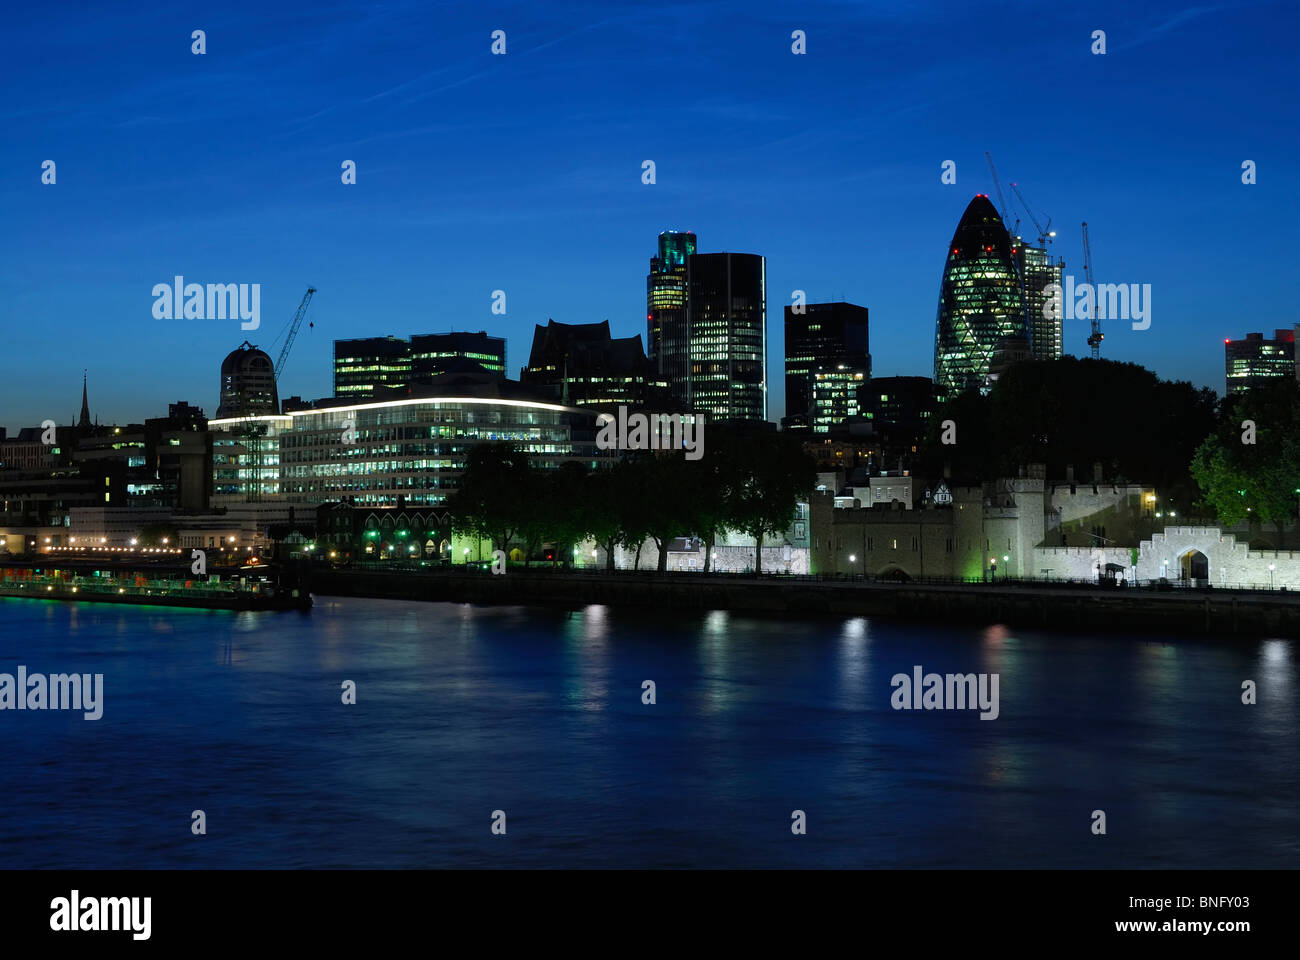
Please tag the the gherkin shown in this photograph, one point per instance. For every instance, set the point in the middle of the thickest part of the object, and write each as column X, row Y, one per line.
column 981, row 307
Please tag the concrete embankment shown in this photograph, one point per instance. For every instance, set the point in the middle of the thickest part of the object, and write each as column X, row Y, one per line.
column 1213, row 612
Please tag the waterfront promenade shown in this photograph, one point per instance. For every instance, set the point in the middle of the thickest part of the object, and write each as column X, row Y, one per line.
column 1059, row 606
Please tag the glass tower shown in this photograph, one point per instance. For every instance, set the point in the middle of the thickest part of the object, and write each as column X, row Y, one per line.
column 667, row 329
column 727, row 316
column 980, row 301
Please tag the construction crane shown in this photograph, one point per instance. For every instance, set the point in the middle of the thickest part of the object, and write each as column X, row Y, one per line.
column 997, row 185
column 1095, row 338
column 293, row 332
column 1045, row 233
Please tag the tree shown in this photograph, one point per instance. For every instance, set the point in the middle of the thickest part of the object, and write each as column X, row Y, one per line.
column 489, row 499
column 1259, row 480
column 603, row 499
column 657, row 505
column 567, row 508
column 767, row 473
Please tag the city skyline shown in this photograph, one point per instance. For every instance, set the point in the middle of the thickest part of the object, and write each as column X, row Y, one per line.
column 224, row 168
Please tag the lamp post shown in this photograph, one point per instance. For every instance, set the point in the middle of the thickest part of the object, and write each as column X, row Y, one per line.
column 1271, row 568
column 993, row 569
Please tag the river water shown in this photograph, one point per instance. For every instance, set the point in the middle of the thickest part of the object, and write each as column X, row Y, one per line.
column 462, row 711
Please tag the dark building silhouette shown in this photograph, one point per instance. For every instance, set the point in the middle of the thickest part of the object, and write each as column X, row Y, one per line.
column 582, row 365
column 830, row 339
column 247, row 384
column 980, row 300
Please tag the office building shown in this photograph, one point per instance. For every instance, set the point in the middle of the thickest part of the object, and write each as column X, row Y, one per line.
column 828, row 338
column 707, row 327
column 1254, row 361
column 1038, row 272
column 371, row 366
column 980, row 300
column 433, row 354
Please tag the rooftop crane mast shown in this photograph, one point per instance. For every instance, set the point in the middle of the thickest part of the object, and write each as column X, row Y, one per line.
column 1095, row 338
column 293, row 332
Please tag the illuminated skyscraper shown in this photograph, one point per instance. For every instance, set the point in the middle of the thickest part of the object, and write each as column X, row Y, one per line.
column 980, row 301
column 667, row 330
column 706, row 316
column 1253, row 361
column 1038, row 271
column 727, row 312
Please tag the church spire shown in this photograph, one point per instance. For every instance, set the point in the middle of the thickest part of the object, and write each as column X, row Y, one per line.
column 84, row 422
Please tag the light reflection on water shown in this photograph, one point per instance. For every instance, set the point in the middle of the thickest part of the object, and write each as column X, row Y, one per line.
column 463, row 709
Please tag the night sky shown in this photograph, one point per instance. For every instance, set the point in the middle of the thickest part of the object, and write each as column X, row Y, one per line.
column 523, row 172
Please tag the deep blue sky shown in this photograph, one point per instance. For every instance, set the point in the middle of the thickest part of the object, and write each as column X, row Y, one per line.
column 523, row 172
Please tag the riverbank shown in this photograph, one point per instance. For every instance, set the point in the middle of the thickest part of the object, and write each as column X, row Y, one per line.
column 1053, row 606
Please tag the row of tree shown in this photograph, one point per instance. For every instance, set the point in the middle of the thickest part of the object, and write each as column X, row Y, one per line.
column 749, row 479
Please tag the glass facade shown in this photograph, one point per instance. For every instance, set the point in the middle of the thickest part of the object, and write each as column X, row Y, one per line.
column 727, row 310
column 980, row 301
column 415, row 449
column 246, row 458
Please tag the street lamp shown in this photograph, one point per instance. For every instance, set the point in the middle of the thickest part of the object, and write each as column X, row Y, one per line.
column 993, row 569
column 1271, row 568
